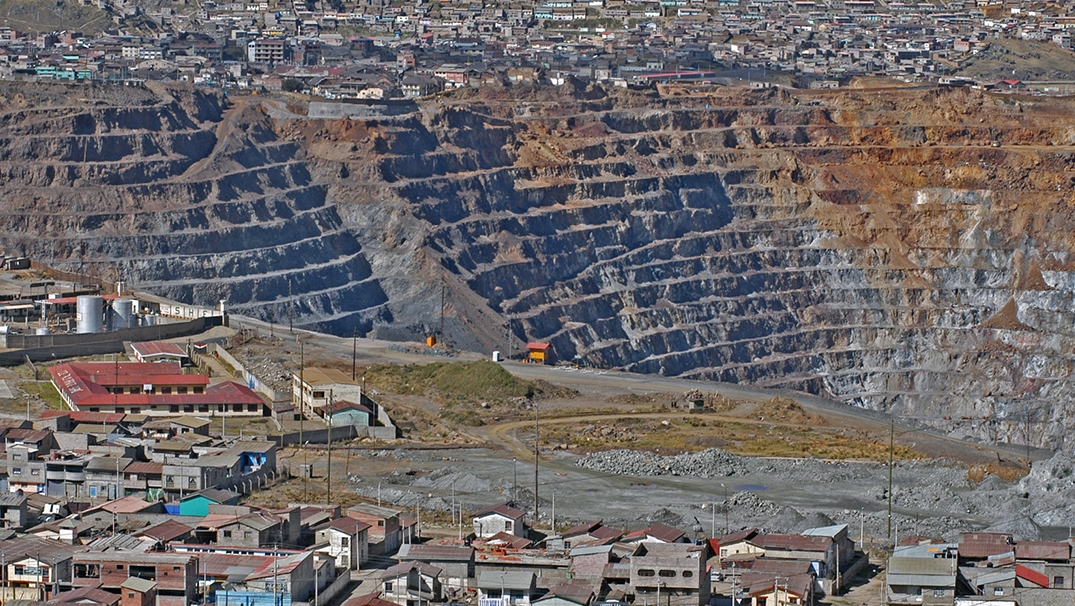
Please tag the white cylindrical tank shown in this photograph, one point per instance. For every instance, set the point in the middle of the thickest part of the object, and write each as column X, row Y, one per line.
column 42, row 331
column 91, row 310
column 149, row 320
column 123, row 314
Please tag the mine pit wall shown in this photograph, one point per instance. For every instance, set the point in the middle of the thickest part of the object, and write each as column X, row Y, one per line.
column 879, row 251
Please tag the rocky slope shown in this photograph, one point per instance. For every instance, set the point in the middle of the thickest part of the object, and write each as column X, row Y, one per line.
column 899, row 250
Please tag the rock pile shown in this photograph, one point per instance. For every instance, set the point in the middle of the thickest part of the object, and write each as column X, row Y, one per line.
column 710, row 463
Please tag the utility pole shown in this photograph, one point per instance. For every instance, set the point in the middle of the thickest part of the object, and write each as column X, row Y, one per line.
column 726, row 508
column 443, row 293
column 354, row 352
column 328, row 476
column 891, row 452
column 537, row 441
column 290, row 309
column 302, row 390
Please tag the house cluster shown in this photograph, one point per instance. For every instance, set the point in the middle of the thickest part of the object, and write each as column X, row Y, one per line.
column 377, row 49
column 502, row 564
column 82, row 456
column 207, row 547
column 982, row 567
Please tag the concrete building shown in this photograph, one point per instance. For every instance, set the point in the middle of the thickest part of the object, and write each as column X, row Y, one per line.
column 346, row 540
column 499, row 518
column 312, row 389
column 677, row 572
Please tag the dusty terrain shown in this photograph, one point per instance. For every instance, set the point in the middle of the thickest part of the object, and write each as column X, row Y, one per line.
column 941, row 486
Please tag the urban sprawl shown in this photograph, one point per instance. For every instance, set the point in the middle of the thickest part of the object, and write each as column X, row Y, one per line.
column 384, row 49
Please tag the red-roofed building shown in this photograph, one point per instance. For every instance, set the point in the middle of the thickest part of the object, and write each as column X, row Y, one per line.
column 537, row 352
column 594, row 533
column 370, row 599
column 150, row 389
column 657, row 533
column 158, row 351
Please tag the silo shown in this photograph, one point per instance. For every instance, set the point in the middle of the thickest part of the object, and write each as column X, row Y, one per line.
column 90, row 313
column 123, row 314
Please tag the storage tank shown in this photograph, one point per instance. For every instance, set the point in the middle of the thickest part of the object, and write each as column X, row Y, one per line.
column 90, row 313
column 148, row 320
column 123, row 314
column 42, row 331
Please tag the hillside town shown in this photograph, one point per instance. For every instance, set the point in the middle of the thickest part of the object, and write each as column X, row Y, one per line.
column 380, row 50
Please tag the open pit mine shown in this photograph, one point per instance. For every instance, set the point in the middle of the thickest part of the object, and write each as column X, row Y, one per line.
column 902, row 250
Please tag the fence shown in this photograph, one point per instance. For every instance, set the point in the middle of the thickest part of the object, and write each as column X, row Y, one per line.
column 252, row 380
column 44, row 348
column 141, row 333
column 342, row 432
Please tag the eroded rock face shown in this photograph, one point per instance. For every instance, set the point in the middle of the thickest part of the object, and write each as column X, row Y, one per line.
column 906, row 251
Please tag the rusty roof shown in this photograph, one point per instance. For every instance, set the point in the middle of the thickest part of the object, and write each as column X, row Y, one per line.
column 1043, row 550
column 980, row 545
column 792, row 542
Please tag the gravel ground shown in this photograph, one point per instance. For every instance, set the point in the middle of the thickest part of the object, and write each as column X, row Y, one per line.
column 703, row 492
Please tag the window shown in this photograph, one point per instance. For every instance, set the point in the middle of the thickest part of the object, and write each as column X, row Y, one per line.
column 166, row 390
column 1058, row 581
column 667, row 573
column 135, row 410
column 688, row 574
column 251, row 407
column 227, row 534
column 508, row 526
column 203, row 408
column 17, row 470
column 181, row 389
column 16, row 457
column 173, row 408
column 645, row 572
column 998, row 591
column 198, row 389
column 130, row 594
column 188, row 408
column 246, row 534
column 35, row 472
column 319, row 394
column 938, row 593
column 388, row 585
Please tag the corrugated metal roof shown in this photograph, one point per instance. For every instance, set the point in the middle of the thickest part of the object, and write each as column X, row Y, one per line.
column 1043, row 550
column 792, row 542
column 435, row 553
column 978, row 545
column 923, row 566
column 507, row 579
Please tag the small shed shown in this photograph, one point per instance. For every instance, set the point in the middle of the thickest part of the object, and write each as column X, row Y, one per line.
column 537, row 352
column 198, row 503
